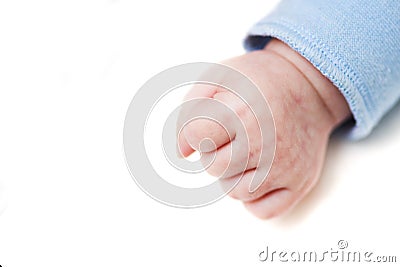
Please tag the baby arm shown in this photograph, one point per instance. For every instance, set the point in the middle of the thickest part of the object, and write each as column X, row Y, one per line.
column 333, row 60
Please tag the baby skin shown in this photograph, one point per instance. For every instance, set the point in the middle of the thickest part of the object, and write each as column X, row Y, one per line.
column 306, row 108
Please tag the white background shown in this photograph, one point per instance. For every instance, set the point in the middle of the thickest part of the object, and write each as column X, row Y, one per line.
column 68, row 71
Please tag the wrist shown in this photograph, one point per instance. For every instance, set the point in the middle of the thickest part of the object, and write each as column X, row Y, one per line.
column 329, row 94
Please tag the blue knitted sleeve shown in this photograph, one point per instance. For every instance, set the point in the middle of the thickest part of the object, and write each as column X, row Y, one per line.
column 354, row 43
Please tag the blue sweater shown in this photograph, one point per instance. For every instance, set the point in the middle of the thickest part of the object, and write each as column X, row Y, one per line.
column 354, row 43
